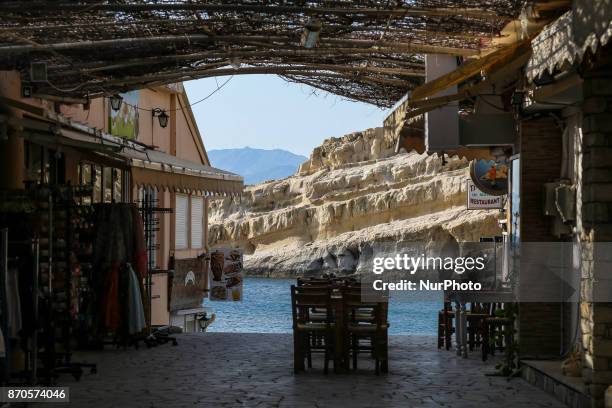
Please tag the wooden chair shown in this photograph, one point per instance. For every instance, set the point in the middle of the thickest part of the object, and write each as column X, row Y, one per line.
column 475, row 317
column 496, row 331
column 445, row 326
column 373, row 328
column 311, row 334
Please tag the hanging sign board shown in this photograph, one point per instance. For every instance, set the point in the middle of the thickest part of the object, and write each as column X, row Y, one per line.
column 227, row 276
column 490, row 176
column 477, row 200
column 124, row 122
column 189, row 283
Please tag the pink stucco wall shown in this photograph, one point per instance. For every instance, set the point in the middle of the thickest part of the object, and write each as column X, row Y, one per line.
column 149, row 130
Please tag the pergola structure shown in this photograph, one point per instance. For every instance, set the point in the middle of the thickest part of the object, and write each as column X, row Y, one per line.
column 369, row 51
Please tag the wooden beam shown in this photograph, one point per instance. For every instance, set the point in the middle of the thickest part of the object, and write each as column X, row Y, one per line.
column 497, row 72
column 197, row 74
column 246, row 54
column 232, row 39
column 552, row 5
column 14, row 103
column 258, row 8
column 468, row 70
column 61, row 99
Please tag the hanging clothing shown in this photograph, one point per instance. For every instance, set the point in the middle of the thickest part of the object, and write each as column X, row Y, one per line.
column 140, row 250
column 2, row 345
column 13, row 303
column 136, row 313
column 111, row 305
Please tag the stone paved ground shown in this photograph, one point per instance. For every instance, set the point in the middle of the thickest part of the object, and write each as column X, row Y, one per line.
column 255, row 370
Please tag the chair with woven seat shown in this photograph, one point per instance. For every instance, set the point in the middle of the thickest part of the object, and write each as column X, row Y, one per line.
column 365, row 321
column 311, row 334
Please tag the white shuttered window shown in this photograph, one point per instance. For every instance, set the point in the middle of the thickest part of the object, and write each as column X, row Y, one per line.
column 181, row 217
column 197, row 215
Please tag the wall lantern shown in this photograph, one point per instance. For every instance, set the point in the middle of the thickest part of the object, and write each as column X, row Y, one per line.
column 310, row 36
column 517, row 99
column 115, row 101
column 162, row 116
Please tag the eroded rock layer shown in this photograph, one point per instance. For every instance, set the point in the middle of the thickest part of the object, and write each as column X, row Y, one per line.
column 351, row 197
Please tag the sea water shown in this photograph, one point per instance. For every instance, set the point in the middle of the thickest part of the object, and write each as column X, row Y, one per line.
column 266, row 308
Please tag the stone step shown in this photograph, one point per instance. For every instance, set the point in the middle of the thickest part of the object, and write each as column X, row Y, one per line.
column 547, row 375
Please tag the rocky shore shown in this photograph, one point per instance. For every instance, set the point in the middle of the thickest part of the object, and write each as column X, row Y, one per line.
column 354, row 197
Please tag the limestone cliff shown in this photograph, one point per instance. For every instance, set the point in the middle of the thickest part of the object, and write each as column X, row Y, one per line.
column 352, row 195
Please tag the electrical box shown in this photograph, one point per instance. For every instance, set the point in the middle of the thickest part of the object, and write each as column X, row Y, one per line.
column 38, row 72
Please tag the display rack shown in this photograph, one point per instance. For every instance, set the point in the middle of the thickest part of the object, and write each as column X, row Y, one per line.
column 59, row 222
column 150, row 212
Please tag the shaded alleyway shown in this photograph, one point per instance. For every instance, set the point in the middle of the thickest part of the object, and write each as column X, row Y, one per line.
column 255, row 370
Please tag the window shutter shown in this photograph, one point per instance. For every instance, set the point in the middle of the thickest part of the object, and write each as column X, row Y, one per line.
column 180, row 240
column 197, row 214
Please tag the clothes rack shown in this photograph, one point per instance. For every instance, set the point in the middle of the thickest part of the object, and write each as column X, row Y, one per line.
column 30, row 373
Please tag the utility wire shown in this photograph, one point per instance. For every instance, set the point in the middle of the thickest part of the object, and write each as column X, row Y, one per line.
column 219, row 87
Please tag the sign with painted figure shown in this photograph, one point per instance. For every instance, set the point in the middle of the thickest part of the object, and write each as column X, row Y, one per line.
column 477, row 200
column 490, row 176
column 227, row 276
column 124, row 122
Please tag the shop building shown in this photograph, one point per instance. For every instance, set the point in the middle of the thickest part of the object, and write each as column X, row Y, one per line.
column 543, row 106
column 148, row 152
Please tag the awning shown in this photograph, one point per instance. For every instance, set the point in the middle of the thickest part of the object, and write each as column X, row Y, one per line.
column 565, row 41
column 148, row 167
column 161, row 170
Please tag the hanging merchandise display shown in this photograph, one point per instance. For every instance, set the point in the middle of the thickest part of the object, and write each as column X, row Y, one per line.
column 117, row 286
column 226, row 279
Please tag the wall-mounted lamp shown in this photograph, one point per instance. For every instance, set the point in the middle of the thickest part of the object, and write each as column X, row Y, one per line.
column 115, row 101
column 310, row 36
column 162, row 116
column 517, row 99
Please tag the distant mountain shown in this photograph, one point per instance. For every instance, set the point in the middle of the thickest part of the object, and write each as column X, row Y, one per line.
column 256, row 165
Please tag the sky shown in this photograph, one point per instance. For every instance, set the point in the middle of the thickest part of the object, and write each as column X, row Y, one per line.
column 264, row 111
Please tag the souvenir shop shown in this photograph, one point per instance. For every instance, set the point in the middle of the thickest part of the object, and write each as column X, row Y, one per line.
column 77, row 244
column 74, row 265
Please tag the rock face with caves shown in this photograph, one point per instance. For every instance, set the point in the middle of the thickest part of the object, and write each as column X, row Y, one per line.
column 354, row 197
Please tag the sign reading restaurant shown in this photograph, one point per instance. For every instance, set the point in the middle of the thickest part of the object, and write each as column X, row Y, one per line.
column 478, row 200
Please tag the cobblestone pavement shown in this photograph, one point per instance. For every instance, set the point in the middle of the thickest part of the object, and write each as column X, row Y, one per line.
column 255, row 370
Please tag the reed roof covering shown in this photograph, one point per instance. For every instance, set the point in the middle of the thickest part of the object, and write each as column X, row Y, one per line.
column 370, row 51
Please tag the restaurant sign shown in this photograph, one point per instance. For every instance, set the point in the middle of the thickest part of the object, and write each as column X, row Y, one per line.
column 490, row 176
column 226, row 278
column 477, row 200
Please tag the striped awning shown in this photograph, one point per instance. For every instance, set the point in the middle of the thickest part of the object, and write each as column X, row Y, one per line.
column 161, row 170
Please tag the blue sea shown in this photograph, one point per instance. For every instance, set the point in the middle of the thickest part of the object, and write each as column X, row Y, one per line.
column 266, row 308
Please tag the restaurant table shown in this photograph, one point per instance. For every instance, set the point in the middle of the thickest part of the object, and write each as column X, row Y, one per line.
column 461, row 298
